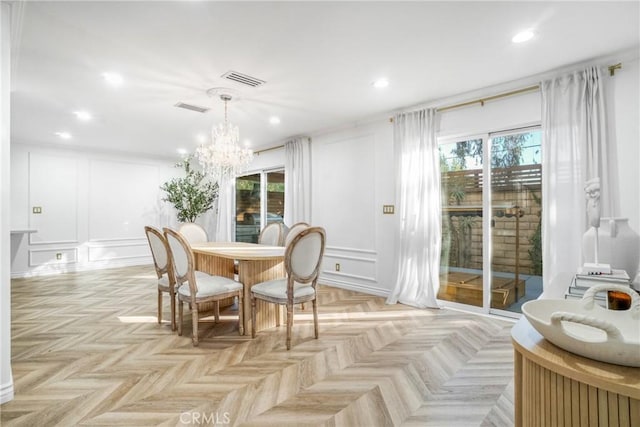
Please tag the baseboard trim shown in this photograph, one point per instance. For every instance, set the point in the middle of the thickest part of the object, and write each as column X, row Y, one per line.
column 6, row 392
column 365, row 289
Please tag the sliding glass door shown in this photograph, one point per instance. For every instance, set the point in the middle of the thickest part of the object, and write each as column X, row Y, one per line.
column 491, row 205
column 461, row 166
column 259, row 201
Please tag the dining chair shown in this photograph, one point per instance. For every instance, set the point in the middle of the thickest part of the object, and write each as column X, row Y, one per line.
column 302, row 260
column 197, row 287
column 164, row 271
column 194, row 233
column 293, row 230
column 272, row 234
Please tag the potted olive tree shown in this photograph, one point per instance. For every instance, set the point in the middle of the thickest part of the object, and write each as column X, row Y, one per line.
column 191, row 195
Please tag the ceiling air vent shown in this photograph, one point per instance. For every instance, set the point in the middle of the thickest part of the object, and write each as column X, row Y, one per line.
column 192, row 107
column 243, row 79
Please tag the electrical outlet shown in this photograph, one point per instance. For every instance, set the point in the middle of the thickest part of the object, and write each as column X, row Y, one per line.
column 37, row 210
column 58, row 256
column 388, row 209
column 337, row 267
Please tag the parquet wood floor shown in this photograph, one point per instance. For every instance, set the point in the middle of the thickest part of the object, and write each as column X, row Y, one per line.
column 86, row 350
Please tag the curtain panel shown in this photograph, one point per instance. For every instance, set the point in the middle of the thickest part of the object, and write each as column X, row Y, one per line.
column 297, row 181
column 225, row 215
column 418, row 241
column 575, row 149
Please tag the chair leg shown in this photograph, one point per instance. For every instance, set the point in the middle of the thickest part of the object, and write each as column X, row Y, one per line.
column 277, row 315
column 159, row 306
column 289, row 324
column 240, row 315
column 302, row 306
column 253, row 316
column 173, row 311
column 180, row 311
column 194, row 321
column 315, row 318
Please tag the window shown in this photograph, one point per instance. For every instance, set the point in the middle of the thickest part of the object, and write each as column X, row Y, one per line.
column 259, row 200
column 499, row 216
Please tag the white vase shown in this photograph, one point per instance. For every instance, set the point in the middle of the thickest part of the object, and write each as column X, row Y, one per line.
column 619, row 245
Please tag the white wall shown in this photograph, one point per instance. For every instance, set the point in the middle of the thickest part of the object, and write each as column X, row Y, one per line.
column 352, row 178
column 6, row 379
column 94, row 209
column 623, row 96
column 623, row 109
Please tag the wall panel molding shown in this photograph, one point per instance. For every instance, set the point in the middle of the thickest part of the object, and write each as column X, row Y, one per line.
column 349, row 275
column 372, row 290
column 119, row 240
column 100, row 253
column 344, row 249
column 52, row 242
column 36, row 258
column 123, row 198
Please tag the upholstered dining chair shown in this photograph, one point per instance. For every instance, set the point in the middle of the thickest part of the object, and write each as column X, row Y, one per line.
column 194, row 233
column 196, row 287
column 272, row 234
column 162, row 263
column 302, row 260
column 293, row 230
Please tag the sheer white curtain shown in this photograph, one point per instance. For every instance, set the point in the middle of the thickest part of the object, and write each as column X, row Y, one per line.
column 224, row 218
column 417, row 166
column 297, row 181
column 575, row 150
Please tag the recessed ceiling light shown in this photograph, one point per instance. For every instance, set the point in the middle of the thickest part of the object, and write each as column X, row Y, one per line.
column 82, row 115
column 274, row 120
column 182, row 151
column 64, row 135
column 381, row 83
column 114, row 79
column 523, row 36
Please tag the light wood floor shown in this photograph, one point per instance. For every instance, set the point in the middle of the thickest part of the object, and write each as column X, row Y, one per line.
column 87, row 351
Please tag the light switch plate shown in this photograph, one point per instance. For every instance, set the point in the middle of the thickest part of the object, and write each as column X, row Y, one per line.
column 37, row 210
column 388, row 209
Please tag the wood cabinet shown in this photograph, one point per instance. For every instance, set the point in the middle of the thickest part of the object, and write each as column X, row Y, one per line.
column 554, row 387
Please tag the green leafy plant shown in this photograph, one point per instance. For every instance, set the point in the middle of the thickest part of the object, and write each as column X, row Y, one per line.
column 191, row 195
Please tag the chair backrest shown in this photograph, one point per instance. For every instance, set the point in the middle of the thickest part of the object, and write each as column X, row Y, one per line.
column 272, row 235
column 159, row 250
column 194, row 233
column 183, row 259
column 293, row 231
column 303, row 255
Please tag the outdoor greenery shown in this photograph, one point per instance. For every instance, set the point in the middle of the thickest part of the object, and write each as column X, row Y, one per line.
column 507, row 151
column 191, row 195
column 535, row 252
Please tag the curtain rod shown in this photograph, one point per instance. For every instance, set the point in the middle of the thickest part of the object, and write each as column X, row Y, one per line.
column 612, row 69
column 268, row 149
column 481, row 101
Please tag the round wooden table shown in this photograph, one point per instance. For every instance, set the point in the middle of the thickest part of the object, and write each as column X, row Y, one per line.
column 554, row 387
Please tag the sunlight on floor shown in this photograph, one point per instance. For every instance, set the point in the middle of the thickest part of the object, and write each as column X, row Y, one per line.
column 138, row 319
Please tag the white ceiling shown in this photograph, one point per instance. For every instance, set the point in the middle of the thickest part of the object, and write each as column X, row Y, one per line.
column 319, row 60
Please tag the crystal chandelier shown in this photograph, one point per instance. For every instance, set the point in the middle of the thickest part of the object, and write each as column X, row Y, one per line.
column 224, row 158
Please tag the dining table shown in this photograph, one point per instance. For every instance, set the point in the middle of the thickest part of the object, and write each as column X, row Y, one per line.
column 256, row 264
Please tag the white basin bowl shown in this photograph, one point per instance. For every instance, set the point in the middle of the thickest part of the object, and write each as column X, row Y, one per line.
column 585, row 328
